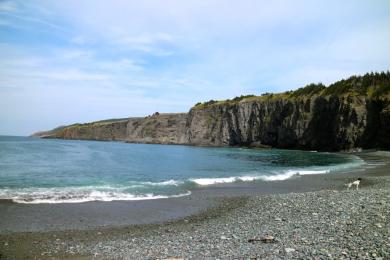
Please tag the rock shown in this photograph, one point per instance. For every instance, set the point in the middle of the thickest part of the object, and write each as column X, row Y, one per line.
column 378, row 225
column 253, row 239
column 264, row 239
column 268, row 239
column 289, row 250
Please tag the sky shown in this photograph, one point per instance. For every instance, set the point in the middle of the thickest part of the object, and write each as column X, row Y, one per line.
column 69, row 61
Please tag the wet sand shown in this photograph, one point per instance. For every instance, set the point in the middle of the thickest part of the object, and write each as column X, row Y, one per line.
column 26, row 230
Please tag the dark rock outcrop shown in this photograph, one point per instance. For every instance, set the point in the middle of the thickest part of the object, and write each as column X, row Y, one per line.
column 317, row 123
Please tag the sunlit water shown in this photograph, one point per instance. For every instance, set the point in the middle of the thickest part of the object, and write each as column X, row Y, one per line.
column 57, row 171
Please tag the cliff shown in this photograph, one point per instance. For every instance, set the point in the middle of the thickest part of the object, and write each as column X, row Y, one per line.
column 106, row 130
column 158, row 128
column 348, row 114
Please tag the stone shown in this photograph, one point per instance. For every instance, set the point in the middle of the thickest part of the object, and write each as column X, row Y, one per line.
column 289, row 250
column 378, row 225
column 268, row 239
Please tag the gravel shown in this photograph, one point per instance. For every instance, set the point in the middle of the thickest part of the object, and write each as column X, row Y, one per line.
column 326, row 224
column 313, row 225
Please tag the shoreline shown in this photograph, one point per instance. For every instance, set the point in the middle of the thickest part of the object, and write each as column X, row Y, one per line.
column 42, row 217
column 206, row 206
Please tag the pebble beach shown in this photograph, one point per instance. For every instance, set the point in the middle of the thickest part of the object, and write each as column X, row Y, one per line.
column 331, row 223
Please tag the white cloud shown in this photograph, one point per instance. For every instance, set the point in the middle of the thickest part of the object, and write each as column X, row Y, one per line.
column 8, row 6
column 119, row 66
column 98, row 59
column 75, row 54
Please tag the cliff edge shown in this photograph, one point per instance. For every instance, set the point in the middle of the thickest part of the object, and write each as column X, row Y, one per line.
column 348, row 114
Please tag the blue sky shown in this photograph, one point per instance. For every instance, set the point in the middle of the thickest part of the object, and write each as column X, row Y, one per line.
column 67, row 61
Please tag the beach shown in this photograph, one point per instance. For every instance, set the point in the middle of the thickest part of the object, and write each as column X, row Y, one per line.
column 312, row 216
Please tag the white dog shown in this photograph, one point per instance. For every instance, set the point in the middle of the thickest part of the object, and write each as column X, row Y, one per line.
column 356, row 183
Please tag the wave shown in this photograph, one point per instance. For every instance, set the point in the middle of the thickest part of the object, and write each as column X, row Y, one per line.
column 291, row 173
column 148, row 184
column 210, row 181
column 282, row 174
column 275, row 177
column 148, row 190
column 76, row 195
column 163, row 183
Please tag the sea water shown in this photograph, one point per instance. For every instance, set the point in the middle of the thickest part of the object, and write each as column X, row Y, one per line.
column 36, row 170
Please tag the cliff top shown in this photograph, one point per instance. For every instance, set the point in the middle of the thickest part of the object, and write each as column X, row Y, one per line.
column 374, row 85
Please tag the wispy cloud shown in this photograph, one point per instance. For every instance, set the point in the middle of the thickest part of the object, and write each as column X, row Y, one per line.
column 74, row 54
column 74, row 61
column 8, row 6
column 159, row 44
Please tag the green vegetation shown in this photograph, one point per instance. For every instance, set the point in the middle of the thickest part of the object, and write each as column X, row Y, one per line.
column 374, row 85
column 242, row 97
column 228, row 101
column 60, row 130
column 308, row 90
column 111, row 120
column 361, row 85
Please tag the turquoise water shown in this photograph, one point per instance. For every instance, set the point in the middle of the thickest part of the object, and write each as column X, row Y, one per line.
column 58, row 171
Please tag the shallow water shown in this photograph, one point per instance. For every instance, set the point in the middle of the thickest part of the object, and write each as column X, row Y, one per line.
column 58, row 171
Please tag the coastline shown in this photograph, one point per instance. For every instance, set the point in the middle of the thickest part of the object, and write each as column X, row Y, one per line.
column 169, row 226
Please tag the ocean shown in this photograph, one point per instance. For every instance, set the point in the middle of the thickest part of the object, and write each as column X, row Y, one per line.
column 34, row 170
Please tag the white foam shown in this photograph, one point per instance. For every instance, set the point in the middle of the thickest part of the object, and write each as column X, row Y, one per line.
column 75, row 195
column 120, row 192
column 211, row 181
column 163, row 183
column 290, row 173
column 248, row 178
column 276, row 177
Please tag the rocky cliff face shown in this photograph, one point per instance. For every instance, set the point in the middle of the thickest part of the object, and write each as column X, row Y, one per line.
column 348, row 114
column 104, row 131
column 158, row 128
column 316, row 123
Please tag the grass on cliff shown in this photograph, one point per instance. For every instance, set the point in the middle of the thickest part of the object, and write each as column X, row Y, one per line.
column 84, row 125
column 373, row 85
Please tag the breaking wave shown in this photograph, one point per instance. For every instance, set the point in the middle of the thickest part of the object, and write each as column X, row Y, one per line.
column 77, row 195
column 276, row 177
column 147, row 190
